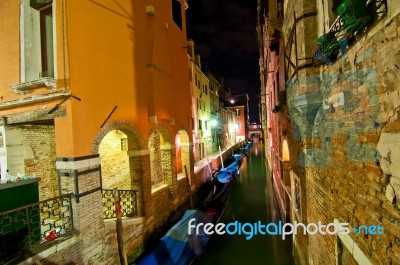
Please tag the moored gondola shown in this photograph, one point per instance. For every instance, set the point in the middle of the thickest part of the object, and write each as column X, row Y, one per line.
column 180, row 246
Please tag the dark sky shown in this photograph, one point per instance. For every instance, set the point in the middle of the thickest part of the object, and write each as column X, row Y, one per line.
column 224, row 32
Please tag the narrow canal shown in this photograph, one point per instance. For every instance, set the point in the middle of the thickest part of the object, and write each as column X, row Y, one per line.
column 251, row 200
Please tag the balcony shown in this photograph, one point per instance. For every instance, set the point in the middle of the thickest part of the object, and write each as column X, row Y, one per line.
column 354, row 17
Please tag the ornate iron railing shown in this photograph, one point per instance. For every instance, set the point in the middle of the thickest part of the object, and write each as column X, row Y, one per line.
column 128, row 200
column 376, row 9
column 30, row 225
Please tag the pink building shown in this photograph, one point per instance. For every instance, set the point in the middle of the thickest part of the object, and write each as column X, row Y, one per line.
column 274, row 113
column 240, row 122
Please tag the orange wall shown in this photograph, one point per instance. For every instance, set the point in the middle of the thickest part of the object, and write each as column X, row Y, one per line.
column 116, row 55
column 9, row 47
column 109, row 47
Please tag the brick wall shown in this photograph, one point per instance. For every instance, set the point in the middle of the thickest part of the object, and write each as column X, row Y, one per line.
column 155, row 159
column 87, row 206
column 342, row 173
column 97, row 242
column 42, row 141
column 30, row 150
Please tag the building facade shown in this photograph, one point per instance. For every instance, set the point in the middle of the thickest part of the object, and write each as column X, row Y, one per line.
column 201, row 106
column 275, row 116
column 95, row 96
column 239, row 105
column 215, row 123
column 240, row 124
column 340, row 77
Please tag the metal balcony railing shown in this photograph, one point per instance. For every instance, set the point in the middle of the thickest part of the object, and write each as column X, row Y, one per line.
column 128, row 200
column 31, row 225
column 340, row 35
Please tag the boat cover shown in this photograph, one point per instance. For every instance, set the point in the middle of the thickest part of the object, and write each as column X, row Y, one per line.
column 224, row 176
column 177, row 247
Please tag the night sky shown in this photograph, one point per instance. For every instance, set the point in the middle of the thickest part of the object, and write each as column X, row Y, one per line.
column 224, row 33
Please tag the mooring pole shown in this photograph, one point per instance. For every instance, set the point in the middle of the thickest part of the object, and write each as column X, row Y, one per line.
column 189, row 188
column 222, row 160
column 208, row 165
column 120, row 239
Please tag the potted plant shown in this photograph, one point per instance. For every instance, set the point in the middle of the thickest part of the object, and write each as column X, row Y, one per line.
column 354, row 15
column 328, row 45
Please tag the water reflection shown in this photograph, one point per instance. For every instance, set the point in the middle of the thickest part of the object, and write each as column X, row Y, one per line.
column 251, row 200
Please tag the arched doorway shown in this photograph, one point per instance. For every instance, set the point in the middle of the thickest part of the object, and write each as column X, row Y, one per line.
column 120, row 145
column 285, row 151
column 160, row 160
column 182, row 146
column 115, row 161
column 285, row 175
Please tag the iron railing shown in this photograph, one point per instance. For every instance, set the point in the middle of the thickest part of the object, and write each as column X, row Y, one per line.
column 376, row 10
column 128, row 201
column 33, row 224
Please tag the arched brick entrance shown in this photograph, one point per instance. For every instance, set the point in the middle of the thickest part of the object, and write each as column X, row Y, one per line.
column 134, row 155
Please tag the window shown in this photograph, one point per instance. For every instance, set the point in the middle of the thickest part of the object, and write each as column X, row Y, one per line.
column 206, row 89
column 46, row 35
column 237, row 125
column 37, row 51
column 177, row 13
column 237, row 112
column 200, row 125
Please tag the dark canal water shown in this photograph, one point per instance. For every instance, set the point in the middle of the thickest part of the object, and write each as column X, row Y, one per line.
column 251, row 200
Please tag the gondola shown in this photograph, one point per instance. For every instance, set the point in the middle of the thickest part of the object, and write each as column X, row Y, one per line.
column 178, row 246
column 231, row 172
column 245, row 149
